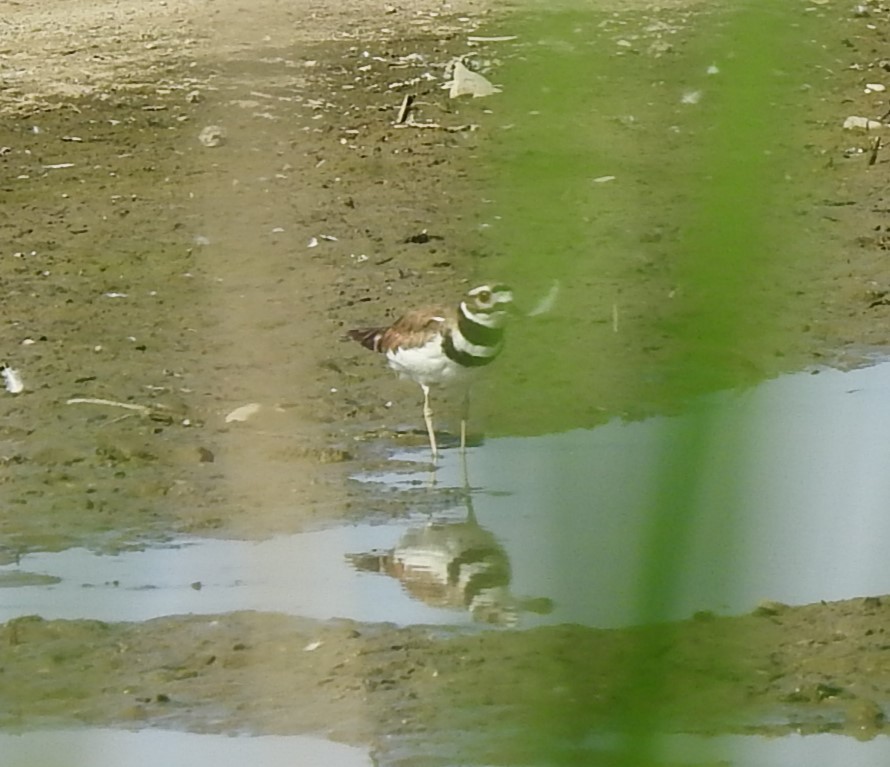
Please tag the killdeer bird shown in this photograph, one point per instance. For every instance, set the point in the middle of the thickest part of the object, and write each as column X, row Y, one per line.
column 437, row 345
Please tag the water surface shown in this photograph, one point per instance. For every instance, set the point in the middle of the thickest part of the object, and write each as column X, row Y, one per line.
column 792, row 499
column 150, row 748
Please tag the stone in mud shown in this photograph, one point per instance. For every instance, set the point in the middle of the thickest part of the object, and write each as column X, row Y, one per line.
column 212, row 136
column 855, row 122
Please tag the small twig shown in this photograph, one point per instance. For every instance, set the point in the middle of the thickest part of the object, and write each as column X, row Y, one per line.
column 404, row 109
column 496, row 39
column 614, row 318
column 144, row 409
column 875, row 148
column 120, row 418
column 448, row 128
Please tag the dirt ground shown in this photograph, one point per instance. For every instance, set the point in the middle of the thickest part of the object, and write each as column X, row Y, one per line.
column 175, row 282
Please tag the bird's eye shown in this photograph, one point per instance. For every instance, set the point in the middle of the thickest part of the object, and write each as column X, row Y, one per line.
column 484, row 297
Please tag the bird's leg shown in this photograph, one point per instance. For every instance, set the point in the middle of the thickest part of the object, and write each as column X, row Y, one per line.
column 466, row 475
column 428, row 419
column 464, row 417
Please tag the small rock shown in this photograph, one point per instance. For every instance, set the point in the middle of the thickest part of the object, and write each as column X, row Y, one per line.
column 244, row 412
column 12, row 380
column 212, row 136
column 854, row 122
column 466, row 82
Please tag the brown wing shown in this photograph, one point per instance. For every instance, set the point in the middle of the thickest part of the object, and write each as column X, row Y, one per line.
column 416, row 327
column 411, row 330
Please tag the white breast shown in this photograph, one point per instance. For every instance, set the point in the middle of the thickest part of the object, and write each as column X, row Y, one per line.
column 426, row 364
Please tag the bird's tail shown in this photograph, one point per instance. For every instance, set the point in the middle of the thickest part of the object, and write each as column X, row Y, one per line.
column 367, row 337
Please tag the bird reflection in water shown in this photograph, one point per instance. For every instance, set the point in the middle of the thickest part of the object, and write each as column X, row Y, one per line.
column 454, row 565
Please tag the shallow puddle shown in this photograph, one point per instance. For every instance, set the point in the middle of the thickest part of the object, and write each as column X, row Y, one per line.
column 306, row 575
column 799, row 463
column 824, row 750
column 605, row 750
column 148, row 748
column 552, row 529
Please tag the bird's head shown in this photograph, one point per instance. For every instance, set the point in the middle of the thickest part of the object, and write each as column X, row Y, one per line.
column 489, row 304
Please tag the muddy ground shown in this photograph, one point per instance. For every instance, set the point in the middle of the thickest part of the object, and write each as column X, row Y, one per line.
column 140, row 267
